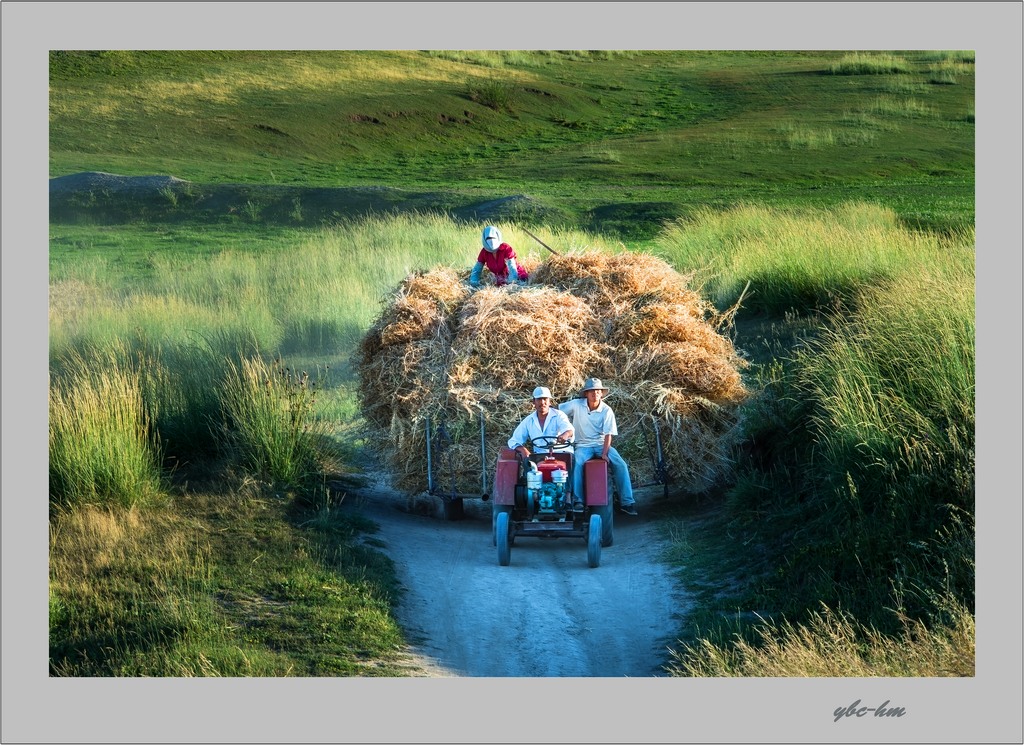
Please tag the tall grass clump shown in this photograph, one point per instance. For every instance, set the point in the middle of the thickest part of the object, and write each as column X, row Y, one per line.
column 101, row 442
column 179, row 385
column 499, row 95
column 806, row 138
column 271, row 421
column 870, row 492
column 792, row 259
column 860, row 63
column 906, row 108
column 832, row 644
column 950, row 55
column 949, row 72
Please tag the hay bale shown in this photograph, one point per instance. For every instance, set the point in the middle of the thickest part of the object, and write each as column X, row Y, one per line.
column 510, row 336
column 464, row 358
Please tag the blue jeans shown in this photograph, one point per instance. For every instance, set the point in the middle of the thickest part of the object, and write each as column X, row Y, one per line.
column 616, row 465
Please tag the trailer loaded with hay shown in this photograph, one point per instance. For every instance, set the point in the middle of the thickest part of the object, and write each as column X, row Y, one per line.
column 446, row 372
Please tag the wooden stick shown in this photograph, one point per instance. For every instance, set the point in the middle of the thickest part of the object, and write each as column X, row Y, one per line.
column 540, row 242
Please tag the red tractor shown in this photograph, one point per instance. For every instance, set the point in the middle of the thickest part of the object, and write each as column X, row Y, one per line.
column 534, row 497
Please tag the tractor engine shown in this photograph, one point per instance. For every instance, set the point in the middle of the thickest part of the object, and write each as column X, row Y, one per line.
column 546, row 487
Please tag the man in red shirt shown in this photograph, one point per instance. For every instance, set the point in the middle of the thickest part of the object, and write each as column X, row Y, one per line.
column 499, row 258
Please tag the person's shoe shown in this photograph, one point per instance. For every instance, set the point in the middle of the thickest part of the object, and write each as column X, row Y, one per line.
column 628, row 509
column 577, row 505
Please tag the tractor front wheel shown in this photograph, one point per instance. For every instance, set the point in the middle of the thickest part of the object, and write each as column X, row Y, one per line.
column 503, row 539
column 495, row 511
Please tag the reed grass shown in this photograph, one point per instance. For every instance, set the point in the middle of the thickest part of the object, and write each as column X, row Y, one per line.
column 102, row 446
column 271, row 421
column 793, row 259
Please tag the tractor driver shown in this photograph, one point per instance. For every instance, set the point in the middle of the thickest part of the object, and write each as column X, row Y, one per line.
column 544, row 421
column 594, row 420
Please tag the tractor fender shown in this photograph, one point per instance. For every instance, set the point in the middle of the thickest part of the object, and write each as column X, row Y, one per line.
column 595, row 482
column 506, row 474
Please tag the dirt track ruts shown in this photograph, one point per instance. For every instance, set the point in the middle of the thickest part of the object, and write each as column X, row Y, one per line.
column 547, row 614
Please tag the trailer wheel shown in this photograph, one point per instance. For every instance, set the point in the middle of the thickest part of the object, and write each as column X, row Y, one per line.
column 454, row 509
column 594, row 541
column 503, row 539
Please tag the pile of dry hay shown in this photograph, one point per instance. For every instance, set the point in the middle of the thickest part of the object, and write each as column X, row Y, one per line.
column 457, row 356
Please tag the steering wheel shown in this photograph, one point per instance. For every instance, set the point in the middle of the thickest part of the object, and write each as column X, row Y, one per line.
column 547, row 442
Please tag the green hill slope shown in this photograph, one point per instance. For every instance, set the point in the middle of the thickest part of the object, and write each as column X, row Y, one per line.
column 605, row 137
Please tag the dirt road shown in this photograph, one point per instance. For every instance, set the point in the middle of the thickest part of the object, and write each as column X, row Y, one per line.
column 547, row 614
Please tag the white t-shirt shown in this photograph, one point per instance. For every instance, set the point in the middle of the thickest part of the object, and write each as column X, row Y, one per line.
column 555, row 424
column 590, row 426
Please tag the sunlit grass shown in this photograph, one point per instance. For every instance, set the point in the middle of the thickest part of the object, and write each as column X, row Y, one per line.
column 800, row 137
column 224, row 586
column 862, row 63
column 796, row 260
column 835, row 645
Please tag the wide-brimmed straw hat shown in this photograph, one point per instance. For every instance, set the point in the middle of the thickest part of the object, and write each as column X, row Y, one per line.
column 541, row 392
column 593, row 384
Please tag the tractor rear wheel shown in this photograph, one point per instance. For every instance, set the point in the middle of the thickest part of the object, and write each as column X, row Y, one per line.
column 594, row 541
column 502, row 536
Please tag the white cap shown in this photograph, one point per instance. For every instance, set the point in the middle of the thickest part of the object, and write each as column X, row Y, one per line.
column 492, row 238
column 541, row 392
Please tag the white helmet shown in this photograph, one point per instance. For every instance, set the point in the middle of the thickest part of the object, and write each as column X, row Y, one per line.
column 492, row 238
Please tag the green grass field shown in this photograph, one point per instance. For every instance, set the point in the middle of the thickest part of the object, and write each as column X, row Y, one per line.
column 832, row 192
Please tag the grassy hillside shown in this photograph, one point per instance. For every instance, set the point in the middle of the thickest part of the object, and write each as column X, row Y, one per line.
column 609, row 138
